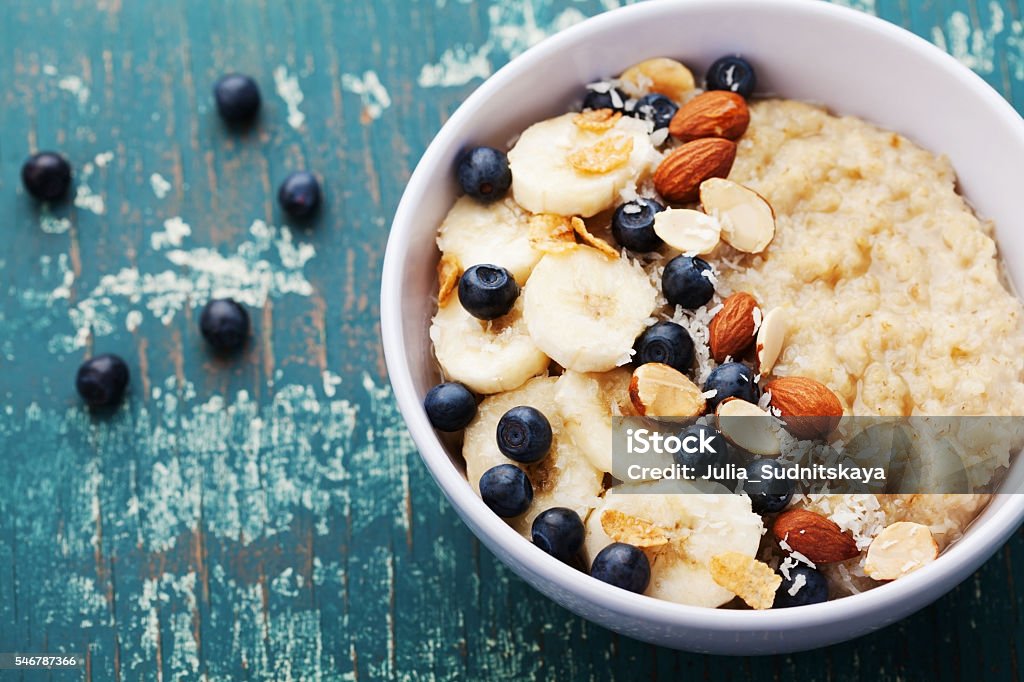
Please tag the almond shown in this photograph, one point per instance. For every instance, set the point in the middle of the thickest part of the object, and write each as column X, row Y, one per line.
column 808, row 407
column 732, row 330
column 899, row 549
column 662, row 75
column 681, row 173
column 816, row 537
column 716, row 113
column 770, row 337
column 657, row 390
column 687, row 230
column 748, row 220
column 747, row 426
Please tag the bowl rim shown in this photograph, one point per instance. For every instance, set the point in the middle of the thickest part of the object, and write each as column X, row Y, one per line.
column 984, row 537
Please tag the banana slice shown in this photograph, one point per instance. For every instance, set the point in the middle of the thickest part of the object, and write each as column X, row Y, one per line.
column 488, row 357
column 497, row 233
column 585, row 310
column 565, row 478
column 561, row 167
column 587, row 403
column 698, row 526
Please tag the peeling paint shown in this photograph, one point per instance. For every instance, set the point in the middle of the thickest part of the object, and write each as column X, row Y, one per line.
column 288, row 89
column 160, row 185
column 513, row 28
column 374, row 95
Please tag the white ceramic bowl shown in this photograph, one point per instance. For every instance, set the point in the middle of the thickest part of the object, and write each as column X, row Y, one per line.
column 853, row 63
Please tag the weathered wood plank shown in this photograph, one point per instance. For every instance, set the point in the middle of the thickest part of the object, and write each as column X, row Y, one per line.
column 266, row 517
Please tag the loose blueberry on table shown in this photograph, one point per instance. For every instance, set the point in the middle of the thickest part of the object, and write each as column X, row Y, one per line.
column 633, row 225
column 668, row 343
column 767, row 495
column 524, row 434
column 102, row 380
column 686, row 282
column 224, row 323
column 237, row 97
column 484, row 174
column 804, row 586
column 450, row 406
column 731, row 380
column 46, row 176
column 559, row 532
column 299, row 194
column 507, row 490
column 734, row 74
column 488, row 292
column 623, row 566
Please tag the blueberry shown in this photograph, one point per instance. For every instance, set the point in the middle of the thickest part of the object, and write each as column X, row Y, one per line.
column 506, row 490
column 299, row 194
column 633, row 225
column 487, row 291
column 813, row 588
column 237, row 97
column 484, row 174
column 734, row 74
column 224, row 324
column 46, row 176
column 685, row 283
column 731, row 380
column 102, row 379
column 655, row 108
column 623, row 566
column 715, row 452
column 613, row 99
column 524, row 434
column 767, row 495
column 559, row 532
column 667, row 343
column 450, row 406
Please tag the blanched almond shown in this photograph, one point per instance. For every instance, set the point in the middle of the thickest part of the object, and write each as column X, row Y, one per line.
column 687, row 230
column 771, row 335
column 899, row 549
column 657, row 390
column 748, row 426
column 748, row 221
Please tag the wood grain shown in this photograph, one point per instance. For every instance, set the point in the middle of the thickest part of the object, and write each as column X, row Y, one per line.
column 267, row 517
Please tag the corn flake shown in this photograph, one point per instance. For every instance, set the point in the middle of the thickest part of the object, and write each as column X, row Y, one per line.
column 601, row 245
column 603, row 156
column 596, row 120
column 448, row 272
column 551, row 233
column 633, row 530
column 746, row 577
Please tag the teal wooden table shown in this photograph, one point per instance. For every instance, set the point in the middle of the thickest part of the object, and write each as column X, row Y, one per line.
column 267, row 517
